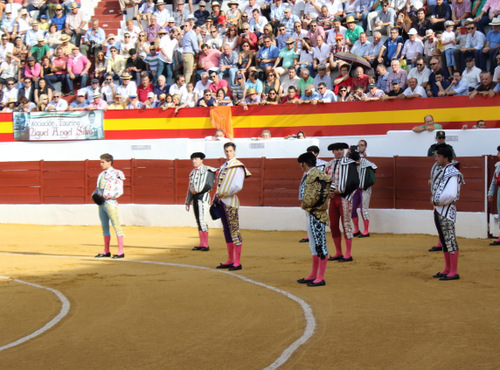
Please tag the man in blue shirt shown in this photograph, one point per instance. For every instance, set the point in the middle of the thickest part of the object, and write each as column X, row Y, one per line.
column 59, row 19
column 392, row 48
column 190, row 48
column 267, row 54
column 310, row 96
column 253, row 82
column 492, row 45
column 458, row 87
column 206, row 100
column 94, row 37
column 80, row 103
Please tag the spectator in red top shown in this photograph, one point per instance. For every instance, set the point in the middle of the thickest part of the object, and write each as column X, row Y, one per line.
column 208, row 60
column 360, row 79
column 248, row 36
column 58, row 69
column 217, row 83
column 144, row 88
column 292, row 97
column 343, row 79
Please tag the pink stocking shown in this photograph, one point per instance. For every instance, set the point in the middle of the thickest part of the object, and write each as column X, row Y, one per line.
column 348, row 246
column 230, row 253
column 204, row 238
column 120, row 245
column 322, row 269
column 446, row 263
column 356, row 226
column 314, row 269
column 453, row 263
column 338, row 246
column 237, row 254
column 439, row 243
column 107, row 239
column 366, row 223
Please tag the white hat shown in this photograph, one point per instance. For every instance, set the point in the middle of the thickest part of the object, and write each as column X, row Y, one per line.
column 449, row 23
column 429, row 32
column 81, row 92
column 412, row 31
column 495, row 21
column 171, row 19
column 151, row 94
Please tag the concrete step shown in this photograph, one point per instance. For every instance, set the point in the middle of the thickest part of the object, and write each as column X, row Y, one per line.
column 107, row 10
column 107, row 18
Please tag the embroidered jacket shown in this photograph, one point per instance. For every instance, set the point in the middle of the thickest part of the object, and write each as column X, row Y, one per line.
column 344, row 175
column 201, row 180
column 314, row 192
column 111, row 184
column 446, row 191
column 363, row 165
column 230, row 181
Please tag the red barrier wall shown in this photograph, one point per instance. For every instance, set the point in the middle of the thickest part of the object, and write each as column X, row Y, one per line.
column 401, row 182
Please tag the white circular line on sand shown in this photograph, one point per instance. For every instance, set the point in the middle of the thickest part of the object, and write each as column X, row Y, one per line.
column 285, row 355
column 63, row 312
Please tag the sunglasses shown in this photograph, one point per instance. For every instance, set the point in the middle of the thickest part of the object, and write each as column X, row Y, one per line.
column 420, row 65
column 433, row 64
column 470, row 28
column 343, row 90
column 108, row 79
column 127, row 37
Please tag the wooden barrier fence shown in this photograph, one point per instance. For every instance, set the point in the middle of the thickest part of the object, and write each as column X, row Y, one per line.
column 401, row 182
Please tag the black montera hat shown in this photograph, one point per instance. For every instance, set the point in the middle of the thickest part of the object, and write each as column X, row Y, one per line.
column 313, row 148
column 198, row 155
column 306, row 157
column 338, row 146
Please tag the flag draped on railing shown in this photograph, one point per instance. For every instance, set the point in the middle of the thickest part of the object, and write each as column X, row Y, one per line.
column 222, row 119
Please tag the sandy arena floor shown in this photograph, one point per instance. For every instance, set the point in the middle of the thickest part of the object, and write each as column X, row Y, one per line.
column 383, row 310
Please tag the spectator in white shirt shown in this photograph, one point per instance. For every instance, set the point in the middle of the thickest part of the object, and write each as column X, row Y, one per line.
column 471, row 73
column 325, row 95
column 57, row 104
column 413, row 48
column 11, row 92
column 420, row 72
column 127, row 87
column 414, row 90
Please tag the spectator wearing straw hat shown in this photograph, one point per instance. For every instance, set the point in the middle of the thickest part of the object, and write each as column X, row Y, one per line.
column 98, row 103
column 490, row 50
column 75, row 21
column 353, row 31
column 59, row 19
column 39, row 50
column 287, row 57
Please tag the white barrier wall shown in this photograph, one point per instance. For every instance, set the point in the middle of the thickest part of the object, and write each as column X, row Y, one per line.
column 469, row 224
column 466, row 143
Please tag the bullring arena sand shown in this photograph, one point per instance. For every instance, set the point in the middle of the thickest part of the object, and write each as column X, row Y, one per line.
column 382, row 311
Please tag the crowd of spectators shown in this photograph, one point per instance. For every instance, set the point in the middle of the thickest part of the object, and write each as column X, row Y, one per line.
column 269, row 53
